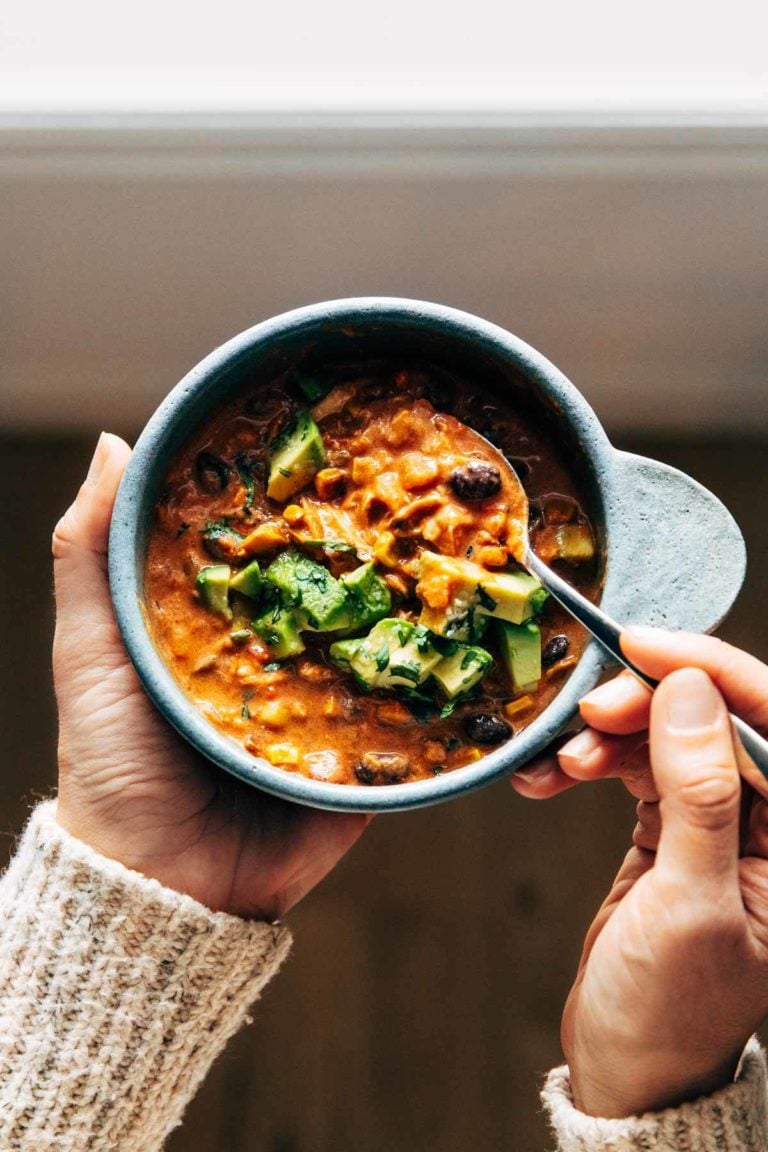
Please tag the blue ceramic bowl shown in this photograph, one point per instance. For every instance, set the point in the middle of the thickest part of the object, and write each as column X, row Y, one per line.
column 673, row 555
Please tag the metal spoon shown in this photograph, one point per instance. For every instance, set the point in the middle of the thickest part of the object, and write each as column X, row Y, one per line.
column 605, row 630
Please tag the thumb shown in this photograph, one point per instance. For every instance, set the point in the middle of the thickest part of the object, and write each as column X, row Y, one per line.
column 695, row 770
column 85, row 625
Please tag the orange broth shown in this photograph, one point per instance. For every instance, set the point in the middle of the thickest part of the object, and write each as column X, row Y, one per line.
column 393, row 440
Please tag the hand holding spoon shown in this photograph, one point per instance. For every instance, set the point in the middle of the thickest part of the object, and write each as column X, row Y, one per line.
column 605, row 630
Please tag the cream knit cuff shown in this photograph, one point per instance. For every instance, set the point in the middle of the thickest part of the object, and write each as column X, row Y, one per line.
column 116, row 994
column 734, row 1119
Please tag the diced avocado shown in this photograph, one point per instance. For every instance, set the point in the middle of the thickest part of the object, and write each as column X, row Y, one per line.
column 342, row 652
column 319, row 601
column 521, row 652
column 575, row 543
column 462, row 670
column 456, row 595
column 368, row 597
column 248, row 581
column 279, row 629
column 394, row 654
column 213, row 585
column 512, row 596
column 296, row 455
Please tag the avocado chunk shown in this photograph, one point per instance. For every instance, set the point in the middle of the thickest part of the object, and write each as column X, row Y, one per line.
column 368, row 597
column 512, row 596
column 296, row 455
column 213, row 585
column 575, row 543
column 279, row 630
column 318, row 600
column 520, row 646
column 457, row 596
column 248, row 581
column 394, row 654
column 459, row 672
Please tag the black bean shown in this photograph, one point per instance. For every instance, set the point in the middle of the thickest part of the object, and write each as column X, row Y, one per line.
column 487, row 728
column 554, row 650
column 382, row 768
column 212, row 472
column 476, row 480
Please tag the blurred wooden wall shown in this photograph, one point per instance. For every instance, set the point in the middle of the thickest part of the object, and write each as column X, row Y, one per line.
column 421, row 1005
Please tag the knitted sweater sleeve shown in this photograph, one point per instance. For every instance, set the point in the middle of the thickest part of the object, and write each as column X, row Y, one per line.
column 735, row 1119
column 116, row 994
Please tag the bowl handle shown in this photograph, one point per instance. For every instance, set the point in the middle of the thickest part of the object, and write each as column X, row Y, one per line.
column 677, row 557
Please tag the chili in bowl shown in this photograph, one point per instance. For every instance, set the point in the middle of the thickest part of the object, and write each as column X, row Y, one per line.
column 312, row 554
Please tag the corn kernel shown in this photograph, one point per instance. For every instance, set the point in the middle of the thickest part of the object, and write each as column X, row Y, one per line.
column 384, row 550
column 330, row 483
column 281, row 754
column 515, row 707
column 274, row 714
column 561, row 667
column 293, row 513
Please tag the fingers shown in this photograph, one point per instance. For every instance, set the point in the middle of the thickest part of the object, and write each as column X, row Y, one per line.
column 594, row 756
column 696, row 773
column 588, row 756
column 620, row 706
column 542, row 778
column 741, row 678
column 84, row 621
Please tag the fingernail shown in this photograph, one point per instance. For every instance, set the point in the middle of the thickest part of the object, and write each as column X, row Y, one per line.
column 692, row 702
column 581, row 746
column 645, row 632
column 98, row 460
column 534, row 772
column 613, row 694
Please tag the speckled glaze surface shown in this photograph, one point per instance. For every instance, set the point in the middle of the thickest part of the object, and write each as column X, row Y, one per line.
column 674, row 556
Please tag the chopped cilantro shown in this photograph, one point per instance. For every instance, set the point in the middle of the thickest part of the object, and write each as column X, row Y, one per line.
column 404, row 633
column 447, row 709
column 313, row 388
column 245, row 711
column 382, row 658
column 407, row 671
column 485, row 600
column 244, row 471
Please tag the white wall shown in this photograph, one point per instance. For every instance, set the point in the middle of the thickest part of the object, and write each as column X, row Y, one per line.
column 635, row 257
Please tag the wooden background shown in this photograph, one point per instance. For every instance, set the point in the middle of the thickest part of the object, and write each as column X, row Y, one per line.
column 421, row 1004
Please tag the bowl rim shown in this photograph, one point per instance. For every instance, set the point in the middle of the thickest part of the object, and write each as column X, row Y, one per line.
column 126, row 565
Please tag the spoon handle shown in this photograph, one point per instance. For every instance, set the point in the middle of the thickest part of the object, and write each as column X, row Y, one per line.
column 608, row 633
